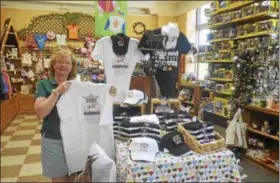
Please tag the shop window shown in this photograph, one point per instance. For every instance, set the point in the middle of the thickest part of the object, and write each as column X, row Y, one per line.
column 202, row 18
column 191, row 26
column 202, row 37
column 202, row 70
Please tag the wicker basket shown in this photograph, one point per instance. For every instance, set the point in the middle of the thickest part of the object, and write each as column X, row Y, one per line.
column 218, row 144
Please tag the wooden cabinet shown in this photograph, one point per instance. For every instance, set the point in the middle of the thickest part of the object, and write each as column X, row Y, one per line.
column 257, row 115
column 9, row 110
column 19, row 103
column 26, row 104
column 143, row 83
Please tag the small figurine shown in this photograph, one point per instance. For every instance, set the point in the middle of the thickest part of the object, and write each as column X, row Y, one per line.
column 12, row 54
column 34, row 57
column 265, row 127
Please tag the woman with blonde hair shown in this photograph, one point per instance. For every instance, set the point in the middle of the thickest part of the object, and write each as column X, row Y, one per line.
column 63, row 67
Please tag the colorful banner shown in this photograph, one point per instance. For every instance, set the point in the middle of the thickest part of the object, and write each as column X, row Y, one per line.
column 110, row 17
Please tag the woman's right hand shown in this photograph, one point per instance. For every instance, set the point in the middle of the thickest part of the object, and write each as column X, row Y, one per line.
column 63, row 87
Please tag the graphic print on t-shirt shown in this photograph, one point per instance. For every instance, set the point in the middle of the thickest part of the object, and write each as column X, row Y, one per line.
column 166, row 59
column 91, row 108
column 120, row 65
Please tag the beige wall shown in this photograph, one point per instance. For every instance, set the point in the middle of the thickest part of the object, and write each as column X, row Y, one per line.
column 21, row 18
column 182, row 23
column 163, row 20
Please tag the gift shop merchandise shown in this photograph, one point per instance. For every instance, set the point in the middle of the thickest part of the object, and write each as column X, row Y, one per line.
column 119, row 55
column 174, row 143
column 187, row 108
column 143, row 149
column 134, row 97
column 166, row 56
column 86, row 109
column 139, row 126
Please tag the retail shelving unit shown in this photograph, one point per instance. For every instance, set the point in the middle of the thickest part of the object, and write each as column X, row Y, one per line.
column 257, row 116
column 196, row 95
column 224, row 44
column 247, row 20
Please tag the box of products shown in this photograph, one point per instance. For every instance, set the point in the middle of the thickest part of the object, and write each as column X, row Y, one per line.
column 240, row 31
column 267, row 6
column 248, row 10
column 223, row 4
column 236, row 15
column 250, row 29
column 267, row 26
column 227, row 17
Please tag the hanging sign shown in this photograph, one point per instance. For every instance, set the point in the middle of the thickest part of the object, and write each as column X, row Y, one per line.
column 110, row 17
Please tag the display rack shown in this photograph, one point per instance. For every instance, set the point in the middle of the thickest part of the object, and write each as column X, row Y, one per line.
column 10, row 41
column 196, row 95
column 235, row 16
column 257, row 116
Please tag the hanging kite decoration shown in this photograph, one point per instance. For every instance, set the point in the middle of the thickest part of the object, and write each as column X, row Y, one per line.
column 110, row 17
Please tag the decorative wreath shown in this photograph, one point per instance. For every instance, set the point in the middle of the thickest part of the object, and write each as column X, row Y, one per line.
column 139, row 28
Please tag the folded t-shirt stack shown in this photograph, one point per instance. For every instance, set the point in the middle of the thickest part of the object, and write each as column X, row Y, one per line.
column 171, row 121
column 139, row 126
column 202, row 132
column 124, row 113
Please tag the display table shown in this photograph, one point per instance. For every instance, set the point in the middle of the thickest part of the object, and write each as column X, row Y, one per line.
column 216, row 167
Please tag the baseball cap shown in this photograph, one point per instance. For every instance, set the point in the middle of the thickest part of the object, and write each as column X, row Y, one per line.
column 143, row 149
column 134, row 97
column 174, row 143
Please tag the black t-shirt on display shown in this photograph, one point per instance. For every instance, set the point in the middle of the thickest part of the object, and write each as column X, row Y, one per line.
column 166, row 61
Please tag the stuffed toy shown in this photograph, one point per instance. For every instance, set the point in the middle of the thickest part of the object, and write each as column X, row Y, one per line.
column 39, row 66
column 89, row 45
column 34, row 57
column 26, row 59
column 50, row 35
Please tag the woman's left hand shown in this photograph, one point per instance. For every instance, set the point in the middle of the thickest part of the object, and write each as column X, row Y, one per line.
column 113, row 91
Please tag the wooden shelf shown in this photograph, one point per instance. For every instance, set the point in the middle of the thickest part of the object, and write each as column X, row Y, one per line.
column 257, row 17
column 221, row 79
column 187, row 102
column 263, row 134
column 245, row 36
column 217, row 61
column 263, row 110
column 232, row 7
column 256, row 35
column 219, row 40
column 224, row 93
column 262, row 163
column 13, row 58
column 187, row 85
column 217, row 114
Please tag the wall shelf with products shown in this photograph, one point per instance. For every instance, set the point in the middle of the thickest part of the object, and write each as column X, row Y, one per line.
column 190, row 98
column 235, row 26
column 274, row 137
column 257, row 17
column 235, row 5
column 262, row 135
column 216, row 61
column 272, row 167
